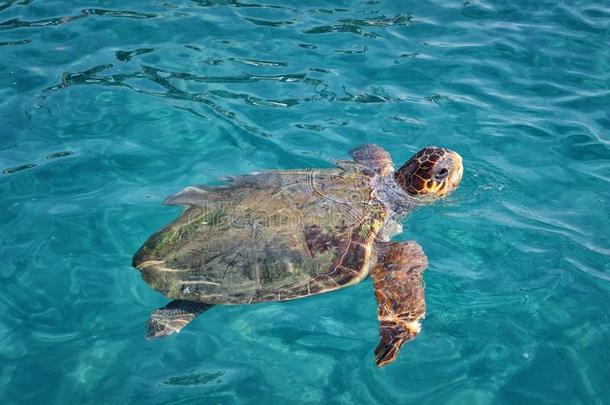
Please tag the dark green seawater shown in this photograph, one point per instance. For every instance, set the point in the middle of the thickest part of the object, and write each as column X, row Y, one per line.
column 106, row 107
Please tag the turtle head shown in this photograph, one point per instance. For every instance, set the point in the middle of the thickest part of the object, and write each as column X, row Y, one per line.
column 432, row 172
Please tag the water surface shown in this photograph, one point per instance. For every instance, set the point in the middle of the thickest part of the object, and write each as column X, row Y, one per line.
column 107, row 107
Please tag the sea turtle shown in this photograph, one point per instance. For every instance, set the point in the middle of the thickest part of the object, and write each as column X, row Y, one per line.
column 281, row 235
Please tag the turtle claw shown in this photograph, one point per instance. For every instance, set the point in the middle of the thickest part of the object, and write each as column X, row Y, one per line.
column 386, row 353
column 388, row 347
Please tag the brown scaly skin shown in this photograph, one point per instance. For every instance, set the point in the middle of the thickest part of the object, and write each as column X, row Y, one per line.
column 427, row 173
column 400, row 297
column 283, row 235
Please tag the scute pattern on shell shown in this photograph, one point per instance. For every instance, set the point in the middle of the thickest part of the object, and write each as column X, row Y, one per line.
column 424, row 161
column 266, row 237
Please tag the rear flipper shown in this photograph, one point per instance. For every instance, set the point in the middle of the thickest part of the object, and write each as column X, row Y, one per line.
column 173, row 317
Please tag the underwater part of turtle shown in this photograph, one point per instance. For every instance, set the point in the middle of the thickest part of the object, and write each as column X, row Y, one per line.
column 282, row 235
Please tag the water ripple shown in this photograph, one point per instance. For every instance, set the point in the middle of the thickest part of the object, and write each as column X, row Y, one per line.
column 19, row 23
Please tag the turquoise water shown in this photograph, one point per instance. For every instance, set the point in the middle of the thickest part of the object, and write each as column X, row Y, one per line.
column 107, row 107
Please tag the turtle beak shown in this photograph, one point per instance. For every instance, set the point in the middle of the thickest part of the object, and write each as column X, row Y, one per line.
column 457, row 171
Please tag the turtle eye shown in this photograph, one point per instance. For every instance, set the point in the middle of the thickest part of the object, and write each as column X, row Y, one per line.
column 441, row 174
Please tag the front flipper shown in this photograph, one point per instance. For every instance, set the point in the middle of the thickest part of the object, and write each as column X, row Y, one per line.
column 400, row 296
column 173, row 317
column 375, row 157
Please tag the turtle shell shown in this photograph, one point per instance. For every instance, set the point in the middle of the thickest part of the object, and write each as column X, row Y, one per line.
column 270, row 236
